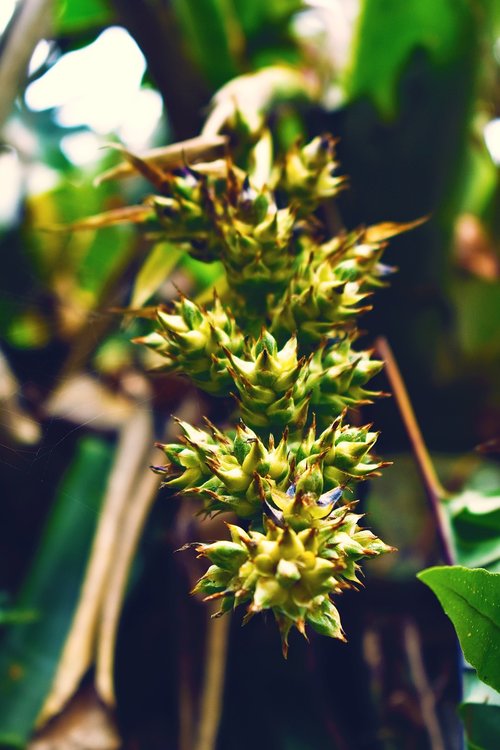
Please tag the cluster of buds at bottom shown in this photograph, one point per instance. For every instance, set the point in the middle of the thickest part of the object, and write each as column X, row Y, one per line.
column 292, row 573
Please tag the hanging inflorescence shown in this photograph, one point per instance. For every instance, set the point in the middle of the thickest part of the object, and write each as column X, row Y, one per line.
column 281, row 339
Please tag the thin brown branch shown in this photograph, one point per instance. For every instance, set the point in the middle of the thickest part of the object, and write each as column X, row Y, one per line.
column 433, row 487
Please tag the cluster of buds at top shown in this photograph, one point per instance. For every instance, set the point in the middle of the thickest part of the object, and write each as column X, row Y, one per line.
column 220, row 215
column 259, row 251
column 308, row 174
column 217, row 214
column 281, row 340
column 330, row 287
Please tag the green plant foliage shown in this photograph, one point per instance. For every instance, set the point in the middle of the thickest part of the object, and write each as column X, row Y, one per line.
column 74, row 16
column 256, row 15
column 471, row 599
column 14, row 615
column 155, row 269
column 482, row 724
column 480, row 712
column 30, row 651
column 478, row 309
column 210, row 25
column 475, row 522
column 390, row 32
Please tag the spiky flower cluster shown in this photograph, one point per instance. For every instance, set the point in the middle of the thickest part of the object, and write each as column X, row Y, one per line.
column 292, row 480
column 281, row 339
column 292, row 572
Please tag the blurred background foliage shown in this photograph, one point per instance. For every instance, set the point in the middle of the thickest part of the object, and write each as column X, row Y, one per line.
column 412, row 92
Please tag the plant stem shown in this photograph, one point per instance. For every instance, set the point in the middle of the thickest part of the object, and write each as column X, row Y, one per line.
column 426, row 697
column 79, row 647
column 213, row 685
column 31, row 23
column 434, row 490
column 142, row 495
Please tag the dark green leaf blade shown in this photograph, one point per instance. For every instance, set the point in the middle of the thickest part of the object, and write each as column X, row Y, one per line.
column 29, row 653
column 390, row 32
column 471, row 599
column 212, row 35
column 482, row 725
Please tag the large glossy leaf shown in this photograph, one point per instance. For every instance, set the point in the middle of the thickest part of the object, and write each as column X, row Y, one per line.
column 471, row 599
column 389, row 32
column 29, row 653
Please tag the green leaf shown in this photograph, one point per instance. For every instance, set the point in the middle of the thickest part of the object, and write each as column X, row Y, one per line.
column 30, row 652
column 15, row 616
column 477, row 306
column 154, row 271
column 212, row 34
column 471, row 599
column 475, row 523
column 81, row 15
column 390, row 31
column 475, row 691
column 482, row 725
column 255, row 17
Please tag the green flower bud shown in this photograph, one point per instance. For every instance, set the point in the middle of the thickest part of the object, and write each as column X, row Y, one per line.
column 325, row 619
column 273, row 384
column 226, row 555
column 287, row 573
column 339, row 377
column 310, row 481
column 215, row 580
